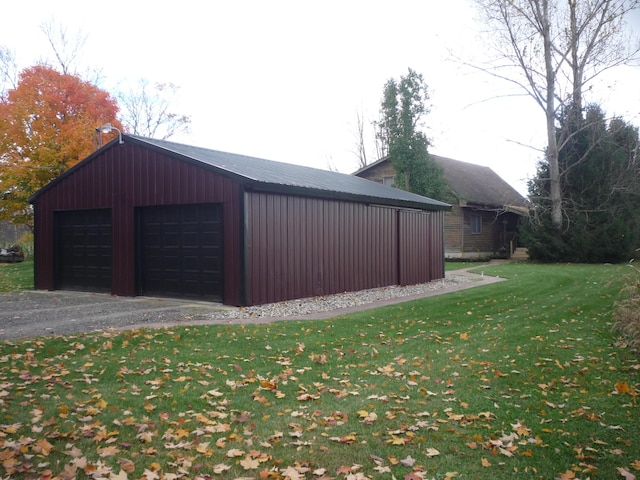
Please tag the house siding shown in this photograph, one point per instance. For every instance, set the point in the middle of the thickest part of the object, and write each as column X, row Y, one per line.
column 478, row 244
column 454, row 231
column 499, row 227
column 378, row 172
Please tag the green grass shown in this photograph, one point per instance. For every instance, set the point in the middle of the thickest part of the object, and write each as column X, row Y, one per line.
column 519, row 379
column 16, row 276
column 460, row 265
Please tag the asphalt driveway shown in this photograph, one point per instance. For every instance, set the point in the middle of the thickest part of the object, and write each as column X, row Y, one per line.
column 37, row 313
column 43, row 313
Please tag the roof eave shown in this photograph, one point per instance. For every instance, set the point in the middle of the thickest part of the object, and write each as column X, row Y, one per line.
column 319, row 193
column 520, row 210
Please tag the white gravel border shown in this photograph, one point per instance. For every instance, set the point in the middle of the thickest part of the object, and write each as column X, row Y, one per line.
column 327, row 303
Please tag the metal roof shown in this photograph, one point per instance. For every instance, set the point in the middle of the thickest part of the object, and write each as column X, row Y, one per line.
column 270, row 175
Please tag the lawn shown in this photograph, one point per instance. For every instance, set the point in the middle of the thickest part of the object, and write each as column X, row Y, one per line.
column 16, row 276
column 520, row 379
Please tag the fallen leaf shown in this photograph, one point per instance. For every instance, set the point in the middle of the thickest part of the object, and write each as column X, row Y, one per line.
column 626, row 473
column 408, row 462
column 234, row 452
column 127, row 465
column 43, row 447
column 432, row 452
column 568, row 475
column 220, row 467
column 121, row 475
column 249, row 463
column 108, row 451
column 150, row 475
column 622, row 388
column 485, row 462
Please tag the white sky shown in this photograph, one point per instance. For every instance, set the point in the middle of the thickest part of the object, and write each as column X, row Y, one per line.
column 284, row 79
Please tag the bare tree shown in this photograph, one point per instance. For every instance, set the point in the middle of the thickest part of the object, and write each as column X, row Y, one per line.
column 146, row 110
column 66, row 47
column 360, row 145
column 557, row 48
column 8, row 70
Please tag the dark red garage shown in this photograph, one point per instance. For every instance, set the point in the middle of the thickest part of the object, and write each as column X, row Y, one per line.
column 157, row 218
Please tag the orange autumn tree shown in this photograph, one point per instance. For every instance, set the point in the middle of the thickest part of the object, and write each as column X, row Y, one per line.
column 47, row 125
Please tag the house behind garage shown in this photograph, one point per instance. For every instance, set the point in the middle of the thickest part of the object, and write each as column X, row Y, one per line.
column 486, row 211
column 157, row 218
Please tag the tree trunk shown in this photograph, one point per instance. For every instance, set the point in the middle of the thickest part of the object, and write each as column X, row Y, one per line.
column 550, row 111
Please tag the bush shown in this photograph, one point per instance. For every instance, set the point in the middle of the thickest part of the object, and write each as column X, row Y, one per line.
column 26, row 243
column 626, row 314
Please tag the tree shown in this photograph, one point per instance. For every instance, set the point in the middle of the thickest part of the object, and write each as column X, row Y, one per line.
column 146, row 111
column 66, row 47
column 402, row 108
column 558, row 47
column 360, row 145
column 47, row 125
column 600, row 194
column 8, row 70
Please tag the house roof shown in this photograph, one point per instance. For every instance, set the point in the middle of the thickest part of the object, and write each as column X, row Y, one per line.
column 268, row 175
column 473, row 184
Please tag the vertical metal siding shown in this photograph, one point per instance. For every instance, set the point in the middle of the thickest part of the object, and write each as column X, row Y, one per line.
column 122, row 178
column 421, row 252
column 295, row 246
column 299, row 247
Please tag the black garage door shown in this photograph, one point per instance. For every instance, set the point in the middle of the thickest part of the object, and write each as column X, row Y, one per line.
column 179, row 251
column 83, row 247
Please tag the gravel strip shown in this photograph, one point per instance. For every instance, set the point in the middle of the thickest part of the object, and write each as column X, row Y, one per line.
column 32, row 313
column 340, row 301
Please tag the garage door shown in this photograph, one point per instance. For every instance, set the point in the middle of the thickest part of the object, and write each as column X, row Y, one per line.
column 83, row 250
column 179, row 251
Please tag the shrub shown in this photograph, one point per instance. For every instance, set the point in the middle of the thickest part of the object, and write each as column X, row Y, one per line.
column 626, row 314
column 26, row 243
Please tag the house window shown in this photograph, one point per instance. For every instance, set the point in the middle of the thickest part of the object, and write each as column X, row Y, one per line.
column 389, row 181
column 476, row 224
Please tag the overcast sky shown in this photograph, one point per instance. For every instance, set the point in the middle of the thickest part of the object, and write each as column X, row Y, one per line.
column 284, row 80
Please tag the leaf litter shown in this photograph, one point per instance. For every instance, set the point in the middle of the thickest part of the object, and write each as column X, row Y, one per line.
column 403, row 395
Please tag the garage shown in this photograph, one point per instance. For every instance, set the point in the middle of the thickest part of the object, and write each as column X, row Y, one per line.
column 83, row 250
column 164, row 219
column 179, row 251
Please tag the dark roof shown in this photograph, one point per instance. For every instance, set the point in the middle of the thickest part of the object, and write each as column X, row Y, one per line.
column 477, row 184
column 473, row 184
column 268, row 175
